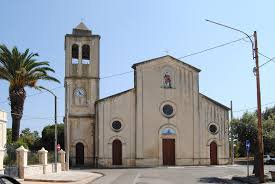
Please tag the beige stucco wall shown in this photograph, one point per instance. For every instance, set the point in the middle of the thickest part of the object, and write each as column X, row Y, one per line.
column 81, row 131
column 140, row 111
column 213, row 113
column 120, row 107
column 149, row 119
column 3, row 128
column 3, row 137
column 80, row 110
column 80, row 75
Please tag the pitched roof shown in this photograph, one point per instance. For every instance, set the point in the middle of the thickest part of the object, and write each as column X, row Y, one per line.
column 81, row 30
column 81, row 26
column 156, row 59
column 115, row 95
column 215, row 102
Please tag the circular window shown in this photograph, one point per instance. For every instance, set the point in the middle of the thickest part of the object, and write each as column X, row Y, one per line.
column 213, row 129
column 167, row 110
column 116, row 125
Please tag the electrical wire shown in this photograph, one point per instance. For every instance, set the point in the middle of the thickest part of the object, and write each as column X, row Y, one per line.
column 120, row 74
column 251, row 108
column 269, row 59
column 212, row 48
column 188, row 55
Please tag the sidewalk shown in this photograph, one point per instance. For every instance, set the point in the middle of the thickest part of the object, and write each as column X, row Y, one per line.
column 72, row 176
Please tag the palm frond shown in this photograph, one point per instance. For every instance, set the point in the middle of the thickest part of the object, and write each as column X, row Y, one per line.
column 23, row 69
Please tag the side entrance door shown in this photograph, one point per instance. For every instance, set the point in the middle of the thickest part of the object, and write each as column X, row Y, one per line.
column 79, row 154
column 168, row 151
column 117, row 152
column 213, row 154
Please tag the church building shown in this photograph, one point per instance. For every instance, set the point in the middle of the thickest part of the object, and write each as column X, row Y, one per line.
column 162, row 120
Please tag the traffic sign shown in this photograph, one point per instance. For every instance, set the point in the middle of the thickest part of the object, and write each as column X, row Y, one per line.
column 58, row 147
column 247, row 145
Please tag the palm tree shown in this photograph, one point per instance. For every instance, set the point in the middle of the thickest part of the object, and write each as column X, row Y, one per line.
column 21, row 70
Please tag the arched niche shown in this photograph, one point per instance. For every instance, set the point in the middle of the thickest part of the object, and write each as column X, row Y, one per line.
column 167, row 77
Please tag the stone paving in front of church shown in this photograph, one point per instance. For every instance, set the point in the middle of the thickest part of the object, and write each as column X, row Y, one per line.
column 72, row 176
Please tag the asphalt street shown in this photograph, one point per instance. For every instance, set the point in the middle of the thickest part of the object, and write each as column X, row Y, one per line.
column 174, row 175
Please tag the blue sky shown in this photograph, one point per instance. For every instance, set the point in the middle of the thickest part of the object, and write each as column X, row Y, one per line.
column 133, row 31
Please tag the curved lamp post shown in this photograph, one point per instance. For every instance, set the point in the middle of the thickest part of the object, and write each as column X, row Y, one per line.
column 55, row 128
column 259, row 111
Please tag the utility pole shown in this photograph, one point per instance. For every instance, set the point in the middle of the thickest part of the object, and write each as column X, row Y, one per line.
column 232, row 138
column 260, row 130
column 259, row 111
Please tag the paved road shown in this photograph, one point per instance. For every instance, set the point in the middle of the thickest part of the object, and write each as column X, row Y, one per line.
column 169, row 175
column 173, row 175
column 161, row 175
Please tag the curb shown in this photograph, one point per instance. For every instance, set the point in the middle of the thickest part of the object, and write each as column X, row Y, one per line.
column 50, row 180
column 63, row 181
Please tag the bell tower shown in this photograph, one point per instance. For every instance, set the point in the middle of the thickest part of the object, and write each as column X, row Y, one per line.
column 81, row 93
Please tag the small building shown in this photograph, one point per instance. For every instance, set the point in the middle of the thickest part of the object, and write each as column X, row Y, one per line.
column 163, row 120
column 3, row 138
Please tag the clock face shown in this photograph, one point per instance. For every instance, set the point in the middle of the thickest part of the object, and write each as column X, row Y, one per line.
column 79, row 92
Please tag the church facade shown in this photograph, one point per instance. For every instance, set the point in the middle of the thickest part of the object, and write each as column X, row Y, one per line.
column 163, row 120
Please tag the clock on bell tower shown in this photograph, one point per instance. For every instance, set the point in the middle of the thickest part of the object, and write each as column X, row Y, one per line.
column 81, row 93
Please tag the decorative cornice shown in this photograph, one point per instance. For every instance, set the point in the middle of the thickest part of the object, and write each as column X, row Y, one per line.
column 81, row 77
column 82, row 116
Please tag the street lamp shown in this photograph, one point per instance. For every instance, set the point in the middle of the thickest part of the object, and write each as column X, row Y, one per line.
column 256, row 71
column 55, row 128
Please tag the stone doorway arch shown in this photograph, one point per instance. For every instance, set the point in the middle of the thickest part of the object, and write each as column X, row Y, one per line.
column 168, row 148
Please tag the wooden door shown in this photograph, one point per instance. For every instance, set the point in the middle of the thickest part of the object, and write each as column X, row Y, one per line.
column 213, row 154
column 168, row 151
column 79, row 154
column 117, row 152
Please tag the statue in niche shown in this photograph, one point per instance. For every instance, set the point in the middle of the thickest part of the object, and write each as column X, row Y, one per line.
column 167, row 80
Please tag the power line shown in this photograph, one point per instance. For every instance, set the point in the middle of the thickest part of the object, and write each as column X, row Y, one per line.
column 189, row 55
column 269, row 59
column 212, row 48
column 28, row 117
column 119, row 74
column 251, row 108
column 115, row 75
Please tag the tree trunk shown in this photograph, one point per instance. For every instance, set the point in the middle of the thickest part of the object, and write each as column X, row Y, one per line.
column 17, row 99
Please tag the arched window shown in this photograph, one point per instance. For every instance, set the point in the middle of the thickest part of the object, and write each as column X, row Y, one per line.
column 75, row 54
column 85, row 54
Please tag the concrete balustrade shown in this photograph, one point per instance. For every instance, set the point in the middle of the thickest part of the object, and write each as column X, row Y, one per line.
column 42, row 168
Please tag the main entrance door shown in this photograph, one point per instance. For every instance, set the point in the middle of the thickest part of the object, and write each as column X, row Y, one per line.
column 168, row 151
column 79, row 154
column 213, row 154
column 117, row 152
